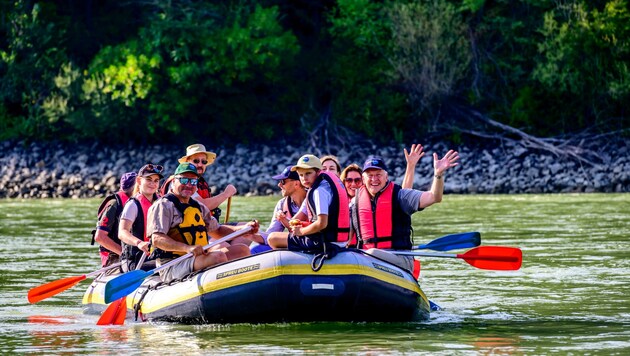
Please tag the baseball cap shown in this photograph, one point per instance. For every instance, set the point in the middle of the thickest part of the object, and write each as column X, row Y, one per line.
column 287, row 173
column 374, row 162
column 151, row 169
column 127, row 180
column 307, row 162
column 186, row 168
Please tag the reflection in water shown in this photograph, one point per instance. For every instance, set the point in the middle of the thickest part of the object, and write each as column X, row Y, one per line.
column 52, row 335
column 496, row 345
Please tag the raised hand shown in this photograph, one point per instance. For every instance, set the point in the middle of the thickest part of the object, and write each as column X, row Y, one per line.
column 448, row 161
column 414, row 154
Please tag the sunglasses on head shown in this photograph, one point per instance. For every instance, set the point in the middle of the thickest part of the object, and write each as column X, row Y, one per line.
column 185, row 180
column 355, row 180
column 154, row 168
column 197, row 160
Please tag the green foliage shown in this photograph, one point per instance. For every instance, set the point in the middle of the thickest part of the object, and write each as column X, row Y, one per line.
column 365, row 97
column 28, row 60
column 245, row 70
column 431, row 54
column 586, row 55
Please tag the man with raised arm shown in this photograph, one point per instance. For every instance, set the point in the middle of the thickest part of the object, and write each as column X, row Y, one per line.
column 381, row 213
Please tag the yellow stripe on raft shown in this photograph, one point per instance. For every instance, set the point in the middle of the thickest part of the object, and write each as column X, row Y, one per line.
column 181, row 295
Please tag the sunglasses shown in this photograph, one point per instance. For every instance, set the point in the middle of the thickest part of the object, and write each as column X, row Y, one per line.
column 153, row 168
column 285, row 181
column 355, row 180
column 196, row 161
column 184, row 180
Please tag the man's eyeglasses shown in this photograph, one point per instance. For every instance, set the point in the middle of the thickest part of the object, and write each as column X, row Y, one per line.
column 184, row 180
column 285, row 181
column 196, row 161
column 355, row 180
column 153, row 168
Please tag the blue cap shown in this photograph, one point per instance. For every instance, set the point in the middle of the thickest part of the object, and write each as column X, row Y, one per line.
column 287, row 174
column 374, row 162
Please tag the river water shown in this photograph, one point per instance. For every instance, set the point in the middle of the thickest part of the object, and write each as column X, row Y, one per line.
column 572, row 295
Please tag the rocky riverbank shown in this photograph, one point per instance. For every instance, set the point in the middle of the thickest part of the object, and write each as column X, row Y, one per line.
column 54, row 170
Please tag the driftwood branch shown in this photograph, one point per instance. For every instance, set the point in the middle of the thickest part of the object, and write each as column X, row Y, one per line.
column 555, row 146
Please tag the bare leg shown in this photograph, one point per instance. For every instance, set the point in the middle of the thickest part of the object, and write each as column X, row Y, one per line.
column 210, row 259
column 237, row 251
column 278, row 240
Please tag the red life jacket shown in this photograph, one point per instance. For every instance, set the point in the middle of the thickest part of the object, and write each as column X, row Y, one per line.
column 203, row 188
column 383, row 224
column 338, row 227
column 286, row 207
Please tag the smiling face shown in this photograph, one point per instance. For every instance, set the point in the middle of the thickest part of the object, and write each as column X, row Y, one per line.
column 186, row 189
column 374, row 180
column 307, row 176
column 353, row 182
column 149, row 185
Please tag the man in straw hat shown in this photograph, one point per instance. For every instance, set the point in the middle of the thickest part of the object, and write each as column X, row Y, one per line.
column 197, row 155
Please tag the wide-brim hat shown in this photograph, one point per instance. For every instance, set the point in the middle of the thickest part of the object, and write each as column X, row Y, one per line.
column 198, row 148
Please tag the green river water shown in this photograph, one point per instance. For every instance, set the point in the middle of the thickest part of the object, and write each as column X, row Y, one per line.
column 572, row 295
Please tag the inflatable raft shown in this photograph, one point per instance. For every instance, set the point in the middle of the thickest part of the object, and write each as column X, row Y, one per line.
column 278, row 286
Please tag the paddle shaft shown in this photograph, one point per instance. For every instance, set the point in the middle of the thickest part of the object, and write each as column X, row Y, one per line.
column 107, row 268
column 227, row 211
column 206, row 247
column 128, row 282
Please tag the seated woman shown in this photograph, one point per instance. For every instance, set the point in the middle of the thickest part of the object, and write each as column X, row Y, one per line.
column 133, row 220
column 351, row 178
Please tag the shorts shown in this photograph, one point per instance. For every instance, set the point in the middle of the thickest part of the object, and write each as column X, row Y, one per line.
column 307, row 243
column 176, row 271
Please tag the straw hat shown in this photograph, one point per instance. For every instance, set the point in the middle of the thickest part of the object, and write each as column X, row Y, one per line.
column 198, row 148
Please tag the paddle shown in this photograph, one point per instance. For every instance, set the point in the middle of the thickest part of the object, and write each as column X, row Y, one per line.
column 227, row 211
column 453, row 242
column 117, row 311
column 130, row 281
column 55, row 287
column 483, row 257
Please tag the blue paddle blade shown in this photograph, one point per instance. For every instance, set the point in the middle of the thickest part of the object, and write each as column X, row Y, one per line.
column 453, row 242
column 434, row 306
column 124, row 284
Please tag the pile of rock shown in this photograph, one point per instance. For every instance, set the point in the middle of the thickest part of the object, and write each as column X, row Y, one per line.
column 50, row 170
